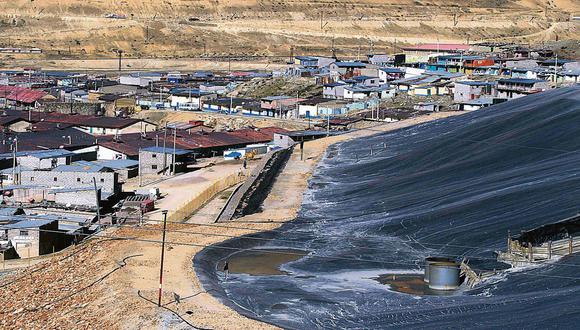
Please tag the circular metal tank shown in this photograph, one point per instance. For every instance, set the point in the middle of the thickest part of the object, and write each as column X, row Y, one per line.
column 444, row 275
column 429, row 261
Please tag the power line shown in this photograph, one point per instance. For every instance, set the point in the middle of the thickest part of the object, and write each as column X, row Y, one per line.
column 390, row 240
column 256, row 230
column 381, row 262
column 228, row 248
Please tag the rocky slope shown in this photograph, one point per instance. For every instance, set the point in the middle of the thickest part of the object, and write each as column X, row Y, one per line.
column 186, row 28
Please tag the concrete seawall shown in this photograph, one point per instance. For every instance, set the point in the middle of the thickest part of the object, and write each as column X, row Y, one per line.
column 248, row 197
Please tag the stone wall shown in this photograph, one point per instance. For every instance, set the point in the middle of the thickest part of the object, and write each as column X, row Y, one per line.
column 90, row 109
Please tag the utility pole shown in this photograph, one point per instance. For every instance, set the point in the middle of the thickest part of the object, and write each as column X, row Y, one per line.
column 555, row 72
column 174, row 138
column 140, row 169
column 14, row 150
column 328, row 125
column 164, row 143
column 333, row 49
column 98, row 202
column 120, row 53
column 162, row 258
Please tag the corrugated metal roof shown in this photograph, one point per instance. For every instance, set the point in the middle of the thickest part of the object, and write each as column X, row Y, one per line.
column 118, row 163
column 521, row 81
column 84, row 168
column 24, row 224
column 166, row 150
column 76, row 119
column 21, row 94
column 8, row 211
column 350, row 64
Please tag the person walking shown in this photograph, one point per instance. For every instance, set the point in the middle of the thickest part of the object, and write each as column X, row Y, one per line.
column 226, row 270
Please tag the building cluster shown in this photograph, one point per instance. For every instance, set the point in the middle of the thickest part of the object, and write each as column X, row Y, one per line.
column 81, row 163
column 424, row 70
column 473, row 76
column 69, row 141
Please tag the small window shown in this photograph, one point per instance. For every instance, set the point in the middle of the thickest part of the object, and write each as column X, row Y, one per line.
column 31, row 178
column 154, row 167
column 55, row 179
column 102, row 180
column 154, row 155
column 24, row 233
column 78, row 179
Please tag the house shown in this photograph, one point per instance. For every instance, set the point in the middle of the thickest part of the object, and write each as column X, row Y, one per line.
column 346, row 69
column 157, row 160
column 333, row 90
column 421, row 52
column 71, row 176
column 69, row 138
column 491, row 70
column 389, row 74
column 140, row 79
column 217, row 87
column 458, row 63
column 470, row 90
column 189, row 98
column 118, row 89
column 83, row 197
column 309, row 108
column 367, row 81
column 42, row 159
column 571, row 76
column 95, row 125
column 236, row 105
column 281, row 106
column 517, row 87
column 22, row 97
column 63, row 78
column 306, row 61
column 531, row 73
column 358, row 92
column 125, row 168
column 427, row 106
column 313, row 62
column 379, row 59
column 32, row 238
column 475, row 104
column 436, row 88
column 429, row 48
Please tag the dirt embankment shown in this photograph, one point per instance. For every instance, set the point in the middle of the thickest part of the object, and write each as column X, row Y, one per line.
column 220, row 121
column 184, row 29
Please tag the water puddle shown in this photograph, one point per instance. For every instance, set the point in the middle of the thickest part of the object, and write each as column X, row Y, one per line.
column 260, row 262
column 410, row 284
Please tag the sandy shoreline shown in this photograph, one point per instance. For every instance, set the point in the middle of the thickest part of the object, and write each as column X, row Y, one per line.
column 73, row 293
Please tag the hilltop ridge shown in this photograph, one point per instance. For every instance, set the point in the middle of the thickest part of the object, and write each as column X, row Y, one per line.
column 184, row 28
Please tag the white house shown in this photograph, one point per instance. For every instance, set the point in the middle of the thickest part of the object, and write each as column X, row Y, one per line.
column 517, row 87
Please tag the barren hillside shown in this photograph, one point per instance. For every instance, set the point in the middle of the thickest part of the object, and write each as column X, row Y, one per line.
column 187, row 28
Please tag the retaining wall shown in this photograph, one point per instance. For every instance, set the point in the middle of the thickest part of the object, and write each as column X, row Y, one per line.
column 248, row 198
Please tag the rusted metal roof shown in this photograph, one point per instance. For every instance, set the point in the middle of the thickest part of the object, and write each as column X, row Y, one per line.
column 21, row 94
column 129, row 144
column 76, row 119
